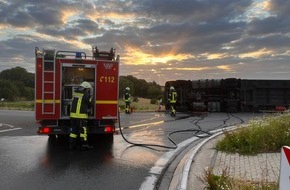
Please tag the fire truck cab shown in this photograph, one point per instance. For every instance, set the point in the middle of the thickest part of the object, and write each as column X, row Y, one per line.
column 59, row 73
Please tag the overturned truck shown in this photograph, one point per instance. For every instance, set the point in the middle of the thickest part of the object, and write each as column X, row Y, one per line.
column 231, row 95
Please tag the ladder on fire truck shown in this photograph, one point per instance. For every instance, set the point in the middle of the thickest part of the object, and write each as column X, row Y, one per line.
column 48, row 82
column 103, row 55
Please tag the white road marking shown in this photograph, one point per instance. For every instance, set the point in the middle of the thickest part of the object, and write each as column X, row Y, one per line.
column 6, row 130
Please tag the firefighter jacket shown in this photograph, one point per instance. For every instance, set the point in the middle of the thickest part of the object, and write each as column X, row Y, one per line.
column 172, row 96
column 127, row 97
column 81, row 102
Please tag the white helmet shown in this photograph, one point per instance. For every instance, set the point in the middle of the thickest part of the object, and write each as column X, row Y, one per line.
column 172, row 88
column 127, row 88
column 86, row 84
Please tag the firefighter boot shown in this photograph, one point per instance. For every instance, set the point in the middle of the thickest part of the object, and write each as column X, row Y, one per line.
column 173, row 112
column 84, row 139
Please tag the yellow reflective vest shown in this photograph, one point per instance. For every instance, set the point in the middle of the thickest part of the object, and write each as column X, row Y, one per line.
column 127, row 97
column 81, row 102
column 172, row 97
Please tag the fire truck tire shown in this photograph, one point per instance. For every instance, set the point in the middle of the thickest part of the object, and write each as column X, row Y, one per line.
column 108, row 137
column 52, row 137
column 104, row 138
column 61, row 138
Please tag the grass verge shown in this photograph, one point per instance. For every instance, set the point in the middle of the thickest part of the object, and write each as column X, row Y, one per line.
column 20, row 105
column 225, row 182
column 265, row 135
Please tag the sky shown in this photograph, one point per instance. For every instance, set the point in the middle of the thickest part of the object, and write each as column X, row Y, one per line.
column 157, row 40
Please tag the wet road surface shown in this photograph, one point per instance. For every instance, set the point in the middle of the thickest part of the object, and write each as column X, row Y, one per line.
column 33, row 163
column 28, row 161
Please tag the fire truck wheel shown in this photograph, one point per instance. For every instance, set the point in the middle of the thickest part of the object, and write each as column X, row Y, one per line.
column 95, row 139
column 62, row 138
column 52, row 137
column 107, row 138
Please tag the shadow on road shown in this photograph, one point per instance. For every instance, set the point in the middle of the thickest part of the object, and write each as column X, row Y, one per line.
column 58, row 158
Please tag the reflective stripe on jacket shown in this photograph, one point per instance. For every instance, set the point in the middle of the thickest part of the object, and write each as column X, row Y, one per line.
column 80, row 104
column 172, row 97
column 127, row 97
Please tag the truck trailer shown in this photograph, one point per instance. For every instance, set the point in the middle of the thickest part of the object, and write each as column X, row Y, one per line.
column 231, row 95
column 59, row 73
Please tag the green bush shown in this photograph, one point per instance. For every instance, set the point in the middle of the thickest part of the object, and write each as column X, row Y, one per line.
column 153, row 101
column 8, row 90
column 122, row 107
column 135, row 99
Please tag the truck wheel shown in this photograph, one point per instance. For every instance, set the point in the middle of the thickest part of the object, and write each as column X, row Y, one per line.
column 109, row 137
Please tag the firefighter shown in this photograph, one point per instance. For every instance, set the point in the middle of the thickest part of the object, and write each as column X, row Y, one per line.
column 172, row 97
column 127, row 100
column 81, row 104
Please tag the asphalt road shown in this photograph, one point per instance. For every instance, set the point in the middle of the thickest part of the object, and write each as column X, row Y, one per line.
column 29, row 161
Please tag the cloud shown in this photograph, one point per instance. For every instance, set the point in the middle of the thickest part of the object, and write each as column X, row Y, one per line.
column 157, row 40
column 280, row 8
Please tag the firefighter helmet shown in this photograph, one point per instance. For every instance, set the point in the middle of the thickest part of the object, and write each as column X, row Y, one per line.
column 172, row 88
column 86, row 84
column 127, row 88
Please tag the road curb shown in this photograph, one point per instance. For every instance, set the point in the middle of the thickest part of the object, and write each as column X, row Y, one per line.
column 157, row 170
column 186, row 168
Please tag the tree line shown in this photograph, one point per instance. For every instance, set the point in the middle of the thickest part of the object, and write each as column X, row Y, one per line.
column 18, row 84
column 140, row 88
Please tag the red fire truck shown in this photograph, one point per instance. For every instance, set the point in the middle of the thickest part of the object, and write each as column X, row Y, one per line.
column 59, row 73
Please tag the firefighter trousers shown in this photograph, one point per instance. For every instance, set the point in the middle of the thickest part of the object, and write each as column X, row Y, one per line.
column 78, row 129
column 127, row 107
column 172, row 109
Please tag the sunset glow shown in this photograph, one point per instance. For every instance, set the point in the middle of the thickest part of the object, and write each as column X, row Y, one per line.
column 138, row 57
column 189, row 40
